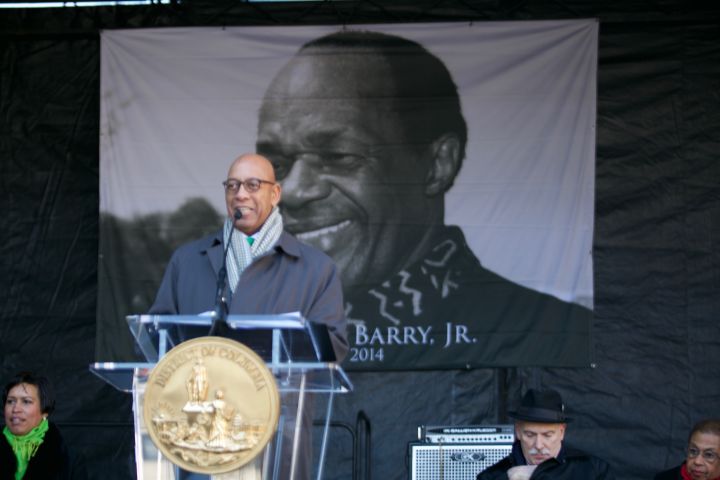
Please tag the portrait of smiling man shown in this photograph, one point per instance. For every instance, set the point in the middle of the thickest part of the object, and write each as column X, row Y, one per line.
column 365, row 148
column 449, row 174
column 361, row 180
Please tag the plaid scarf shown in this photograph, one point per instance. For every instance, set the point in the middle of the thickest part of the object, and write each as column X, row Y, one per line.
column 241, row 253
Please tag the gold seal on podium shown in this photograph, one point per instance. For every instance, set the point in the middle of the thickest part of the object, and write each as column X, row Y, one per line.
column 211, row 405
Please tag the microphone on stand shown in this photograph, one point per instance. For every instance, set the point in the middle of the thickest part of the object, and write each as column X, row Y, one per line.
column 221, row 308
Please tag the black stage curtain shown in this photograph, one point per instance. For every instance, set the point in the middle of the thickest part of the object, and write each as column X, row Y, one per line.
column 657, row 261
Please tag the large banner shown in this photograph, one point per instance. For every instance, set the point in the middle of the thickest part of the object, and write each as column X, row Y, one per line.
column 448, row 169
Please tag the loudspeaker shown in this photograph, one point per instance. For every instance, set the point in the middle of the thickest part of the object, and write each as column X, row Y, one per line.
column 432, row 461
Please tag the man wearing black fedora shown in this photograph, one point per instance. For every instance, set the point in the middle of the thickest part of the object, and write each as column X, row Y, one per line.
column 538, row 452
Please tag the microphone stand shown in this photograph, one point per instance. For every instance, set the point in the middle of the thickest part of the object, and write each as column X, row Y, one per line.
column 219, row 323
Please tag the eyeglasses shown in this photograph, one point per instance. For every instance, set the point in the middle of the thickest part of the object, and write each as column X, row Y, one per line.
column 707, row 455
column 252, row 185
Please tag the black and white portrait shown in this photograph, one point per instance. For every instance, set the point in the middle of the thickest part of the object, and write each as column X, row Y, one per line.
column 447, row 169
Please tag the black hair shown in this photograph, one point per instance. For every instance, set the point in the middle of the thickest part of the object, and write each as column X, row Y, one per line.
column 429, row 101
column 43, row 385
column 710, row 425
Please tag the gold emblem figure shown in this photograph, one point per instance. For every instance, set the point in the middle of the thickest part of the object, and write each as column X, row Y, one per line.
column 197, row 385
column 220, row 428
column 211, row 436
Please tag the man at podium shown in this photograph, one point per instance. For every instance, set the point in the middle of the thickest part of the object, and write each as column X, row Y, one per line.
column 268, row 270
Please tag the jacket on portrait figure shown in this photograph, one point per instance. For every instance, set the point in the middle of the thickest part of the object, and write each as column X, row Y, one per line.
column 476, row 317
column 52, row 461
column 570, row 464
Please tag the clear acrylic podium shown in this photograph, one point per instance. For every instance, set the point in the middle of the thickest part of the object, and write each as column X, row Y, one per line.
column 297, row 352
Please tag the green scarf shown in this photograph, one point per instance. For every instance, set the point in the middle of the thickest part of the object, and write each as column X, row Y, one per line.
column 25, row 446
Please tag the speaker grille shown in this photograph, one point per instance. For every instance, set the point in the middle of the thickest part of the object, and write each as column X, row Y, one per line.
column 453, row 462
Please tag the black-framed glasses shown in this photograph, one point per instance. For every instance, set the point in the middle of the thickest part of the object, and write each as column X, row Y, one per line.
column 707, row 455
column 251, row 185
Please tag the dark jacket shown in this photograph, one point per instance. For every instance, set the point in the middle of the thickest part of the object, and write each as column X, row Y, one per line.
column 448, row 288
column 569, row 465
column 672, row 474
column 292, row 277
column 52, row 461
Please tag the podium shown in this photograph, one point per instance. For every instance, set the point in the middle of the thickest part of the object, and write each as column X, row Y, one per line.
column 297, row 352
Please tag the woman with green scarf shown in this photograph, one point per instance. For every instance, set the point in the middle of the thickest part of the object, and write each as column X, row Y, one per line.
column 33, row 448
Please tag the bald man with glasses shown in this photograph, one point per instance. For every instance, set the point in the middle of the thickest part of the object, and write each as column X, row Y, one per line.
column 702, row 460
column 268, row 270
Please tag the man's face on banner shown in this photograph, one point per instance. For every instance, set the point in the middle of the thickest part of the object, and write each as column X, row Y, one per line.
column 351, row 185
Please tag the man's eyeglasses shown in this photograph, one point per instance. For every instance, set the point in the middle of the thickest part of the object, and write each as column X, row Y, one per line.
column 251, row 185
column 707, row 455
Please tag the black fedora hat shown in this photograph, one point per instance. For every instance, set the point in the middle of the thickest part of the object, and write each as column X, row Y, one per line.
column 541, row 406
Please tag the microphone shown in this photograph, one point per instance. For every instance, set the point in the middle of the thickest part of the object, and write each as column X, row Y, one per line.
column 220, row 316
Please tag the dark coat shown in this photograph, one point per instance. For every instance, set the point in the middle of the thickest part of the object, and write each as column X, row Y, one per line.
column 672, row 474
column 52, row 461
column 293, row 277
column 447, row 288
column 569, row 465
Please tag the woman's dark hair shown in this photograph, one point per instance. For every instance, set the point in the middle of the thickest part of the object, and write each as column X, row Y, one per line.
column 710, row 425
column 45, row 390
